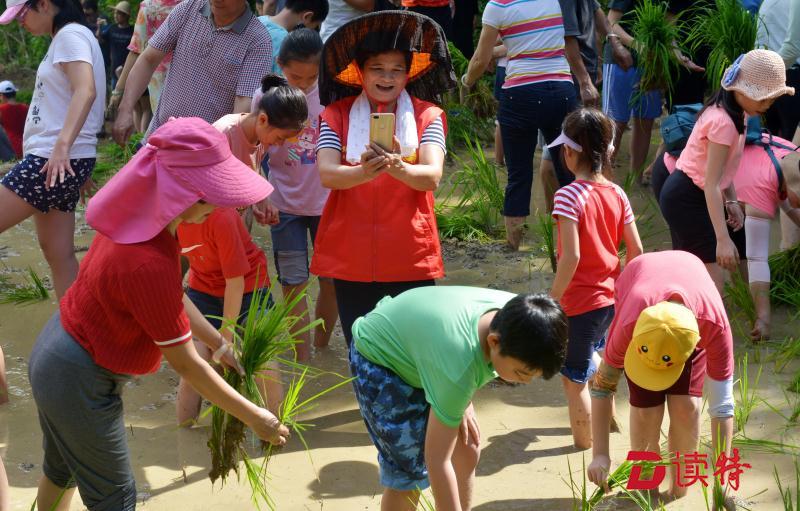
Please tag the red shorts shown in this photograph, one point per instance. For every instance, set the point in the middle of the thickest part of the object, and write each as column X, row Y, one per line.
column 690, row 383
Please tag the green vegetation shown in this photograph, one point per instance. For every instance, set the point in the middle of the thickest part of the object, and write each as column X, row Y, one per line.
column 728, row 29
column 786, row 494
column 267, row 335
column 655, row 37
column 545, row 229
column 748, row 399
column 472, row 201
column 32, row 290
column 111, row 158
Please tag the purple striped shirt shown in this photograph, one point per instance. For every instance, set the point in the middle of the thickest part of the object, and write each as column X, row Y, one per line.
column 210, row 65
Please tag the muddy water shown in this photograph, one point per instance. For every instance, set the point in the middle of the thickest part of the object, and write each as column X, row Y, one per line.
column 525, row 435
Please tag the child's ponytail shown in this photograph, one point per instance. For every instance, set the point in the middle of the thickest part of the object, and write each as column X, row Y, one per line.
column 284, row 105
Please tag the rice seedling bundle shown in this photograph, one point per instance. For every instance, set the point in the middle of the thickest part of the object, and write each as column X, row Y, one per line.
column 655, row 37
column 727, row 29
column 267, row 334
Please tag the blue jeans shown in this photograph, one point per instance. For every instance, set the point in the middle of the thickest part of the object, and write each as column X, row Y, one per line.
column 522, row 113
column 290, row 247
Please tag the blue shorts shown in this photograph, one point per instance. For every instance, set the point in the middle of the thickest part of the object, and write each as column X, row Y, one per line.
column 290, row 247
column 587, row 335
column 619, row 90
column 25, row 180
column 396, row 415
column 212, row 306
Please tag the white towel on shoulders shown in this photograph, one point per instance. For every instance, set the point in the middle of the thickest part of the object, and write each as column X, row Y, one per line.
column 405, row 127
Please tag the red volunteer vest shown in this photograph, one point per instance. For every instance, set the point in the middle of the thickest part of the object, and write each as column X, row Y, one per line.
column 381, row 231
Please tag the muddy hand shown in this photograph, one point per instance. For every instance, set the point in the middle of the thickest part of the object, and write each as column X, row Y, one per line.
column 269, row 429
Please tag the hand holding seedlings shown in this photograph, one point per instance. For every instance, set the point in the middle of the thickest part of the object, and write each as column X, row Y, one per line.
column 268, row 428
column 598, row 471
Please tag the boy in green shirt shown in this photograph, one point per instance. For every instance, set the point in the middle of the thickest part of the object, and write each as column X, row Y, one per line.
column 418, row 359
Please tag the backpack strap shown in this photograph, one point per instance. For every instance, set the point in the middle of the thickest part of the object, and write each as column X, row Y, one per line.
column 775, row 163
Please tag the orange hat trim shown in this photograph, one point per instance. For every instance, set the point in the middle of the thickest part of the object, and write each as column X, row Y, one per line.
column 420, row 64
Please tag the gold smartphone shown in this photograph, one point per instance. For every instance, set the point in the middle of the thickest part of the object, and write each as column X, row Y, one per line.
column 381, row 130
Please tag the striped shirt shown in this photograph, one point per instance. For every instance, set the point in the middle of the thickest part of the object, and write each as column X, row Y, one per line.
column 533, row 33
column 570, row 201
column 211, row 65
column 433, row 135
column 601, row 211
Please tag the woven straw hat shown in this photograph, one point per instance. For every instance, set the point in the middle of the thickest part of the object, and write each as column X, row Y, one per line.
column 758, row 74
column 431, row 73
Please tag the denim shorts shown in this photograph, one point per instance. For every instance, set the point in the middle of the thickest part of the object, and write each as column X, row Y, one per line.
column 290, row 247
column 212, row 306
column 83, row 427
column 587, row 335
column 25, row 180
column 396, row 416
column 619, row 101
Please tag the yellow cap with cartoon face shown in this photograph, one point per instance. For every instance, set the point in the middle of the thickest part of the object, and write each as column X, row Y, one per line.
column 665, row 336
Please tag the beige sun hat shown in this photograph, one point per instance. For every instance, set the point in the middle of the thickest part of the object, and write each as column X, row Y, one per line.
column 758, row 74
column 123, row 7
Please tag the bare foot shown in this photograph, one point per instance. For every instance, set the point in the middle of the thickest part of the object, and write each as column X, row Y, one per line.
column 760, row 331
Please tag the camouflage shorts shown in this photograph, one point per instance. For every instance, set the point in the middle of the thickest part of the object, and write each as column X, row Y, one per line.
column 396, row 415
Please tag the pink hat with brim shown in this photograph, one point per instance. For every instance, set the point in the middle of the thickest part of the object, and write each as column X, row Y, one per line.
column 758, row 74
column 12, row 9
column 185, row 160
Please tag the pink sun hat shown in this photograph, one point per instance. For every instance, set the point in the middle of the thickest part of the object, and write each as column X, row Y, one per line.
column 12, row 9
column 185, row 160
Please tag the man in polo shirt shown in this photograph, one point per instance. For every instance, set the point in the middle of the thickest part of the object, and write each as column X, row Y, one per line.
column 220, row 53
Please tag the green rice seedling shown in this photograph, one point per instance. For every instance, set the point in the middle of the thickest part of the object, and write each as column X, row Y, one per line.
column 765, row 446
column 268, row 334
column 655, row 35
column 748, row 399
column 470, row 206
column 785, row 275
column 728, row 29
column 111, row 158
column 580, row 496
column 786, row 351
column 456, row 224
column 425, row 503
column 737, row 291
column 462, row 121
column 786, row 494
column 545, row 228
column 32, row 290
column 794, row 386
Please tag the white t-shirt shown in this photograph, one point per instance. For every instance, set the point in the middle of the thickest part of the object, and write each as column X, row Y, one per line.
column 339, row 13
column 52, row 94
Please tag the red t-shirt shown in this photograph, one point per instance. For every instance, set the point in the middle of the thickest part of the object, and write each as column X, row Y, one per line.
column 601, row 212
column 12, row 117
column 127, row 303
column 221, row 248
column 660, row 276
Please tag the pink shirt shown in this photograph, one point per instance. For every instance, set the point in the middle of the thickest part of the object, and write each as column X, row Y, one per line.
column 756, row 181
column 293, row 168
column 248, row 153
column 714, row 125
column 659, row 276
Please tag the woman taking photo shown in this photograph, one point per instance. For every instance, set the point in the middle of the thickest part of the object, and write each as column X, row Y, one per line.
column 127, row 308
column 59, row 143
column 378, row 235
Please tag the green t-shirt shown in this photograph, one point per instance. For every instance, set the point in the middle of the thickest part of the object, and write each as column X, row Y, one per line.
column 429, row 337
